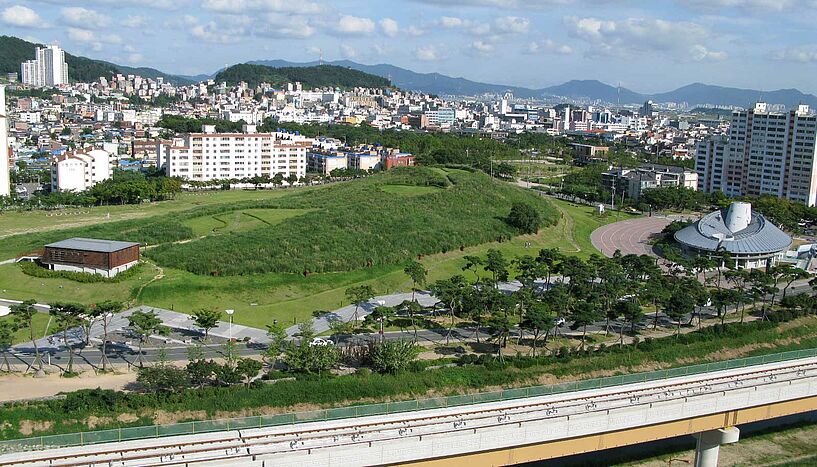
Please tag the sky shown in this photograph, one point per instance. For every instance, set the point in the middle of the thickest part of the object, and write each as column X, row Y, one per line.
column 647, row 46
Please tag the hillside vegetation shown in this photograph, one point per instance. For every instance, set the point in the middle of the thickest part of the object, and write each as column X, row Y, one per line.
column 311, row 77
column 14, row 51
column 355, row 225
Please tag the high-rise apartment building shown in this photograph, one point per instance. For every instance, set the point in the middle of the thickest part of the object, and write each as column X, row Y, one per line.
column 47, row 69
column 765, row 153
column 221, row 156
column 5, row 188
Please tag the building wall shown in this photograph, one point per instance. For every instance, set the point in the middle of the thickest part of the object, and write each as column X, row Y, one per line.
column 215, row 156
column 66, row 259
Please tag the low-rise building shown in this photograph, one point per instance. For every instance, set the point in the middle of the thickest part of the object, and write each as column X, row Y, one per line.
column 91, row 256
column 325, row 163
column 80, row 170
column 633, row 182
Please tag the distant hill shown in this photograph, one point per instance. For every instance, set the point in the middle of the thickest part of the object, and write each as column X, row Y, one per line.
column 694, row 94
column 311, row 76
column 14, row 51
column 702, row 94
column 593, row 90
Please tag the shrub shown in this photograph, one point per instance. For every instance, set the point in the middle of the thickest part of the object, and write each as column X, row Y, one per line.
column 35, row 270
column 525, row 218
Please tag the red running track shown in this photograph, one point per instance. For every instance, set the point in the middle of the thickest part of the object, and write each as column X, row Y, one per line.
column 631, row 236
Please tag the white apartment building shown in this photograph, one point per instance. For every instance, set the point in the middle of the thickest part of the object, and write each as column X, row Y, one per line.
column 767, row 153
column 711, row 164
column 47, row 69
column 80, row 170
column 218, row 156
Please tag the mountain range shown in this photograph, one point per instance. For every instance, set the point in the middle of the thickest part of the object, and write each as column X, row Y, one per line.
column 13, row 51
column 695, row 94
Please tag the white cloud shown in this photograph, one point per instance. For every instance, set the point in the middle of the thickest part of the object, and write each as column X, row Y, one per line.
column 549, row 45
column 284, row 26
column 389, row 27
column 354, row 25
column 700, row 53
column 281, row 6
column 750, row 6
column 511, row 25
column 133, row 21
column 500, row 3
column 215, row 33
column 84, row 18
column 481, row 48
column 135, row 58
column 92, row 39
column 633, row 36
column 414, row 31
column 81, row 35
column 803, row 54
column 505, row 25
column 24, row 17
column 347, row 51
column 428, row 53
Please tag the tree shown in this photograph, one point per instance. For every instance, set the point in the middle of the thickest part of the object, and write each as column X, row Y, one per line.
column 584, row 313
column 306, row 332
column 383, row 316
column 67, row 316
column 538, row 318
column 311, row 358
column 248, row 369
column 680, row 304
column 417, row 273
column 451, row 292
column 500, row 327
column 793, row 274
column 145, row 324
column 631, row 311
column 549, row 257
column 497, row 265
column 525, row 218
column 392, row 356
column 6, row 340
column 411, row 309
column 162, row 378
column 201, row 372
column 23, row 315
column 207, row 319
column 278, row 341
column 106, row 310
column 472, row 263
column 359, row 295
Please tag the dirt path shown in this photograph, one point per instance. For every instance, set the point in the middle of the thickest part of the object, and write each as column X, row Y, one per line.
column 568, row 226
column 19, row 387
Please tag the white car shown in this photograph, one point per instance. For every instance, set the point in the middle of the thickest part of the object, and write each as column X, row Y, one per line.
column 320, row 341
column 560, row 321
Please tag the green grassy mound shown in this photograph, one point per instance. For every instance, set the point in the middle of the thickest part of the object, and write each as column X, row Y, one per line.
column 356, row 224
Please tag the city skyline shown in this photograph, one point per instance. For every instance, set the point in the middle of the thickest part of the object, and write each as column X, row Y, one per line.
column 743, row 43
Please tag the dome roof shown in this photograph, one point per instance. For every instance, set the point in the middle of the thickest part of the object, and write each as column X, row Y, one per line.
column 756, row 237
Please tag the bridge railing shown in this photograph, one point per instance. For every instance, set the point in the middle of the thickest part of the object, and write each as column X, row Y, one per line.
column 262, row 421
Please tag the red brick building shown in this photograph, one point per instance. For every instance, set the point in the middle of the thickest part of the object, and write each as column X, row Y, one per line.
column 104, row 257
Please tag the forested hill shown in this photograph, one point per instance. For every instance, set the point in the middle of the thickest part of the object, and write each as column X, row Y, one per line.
column 310, row 77
column 14, row 51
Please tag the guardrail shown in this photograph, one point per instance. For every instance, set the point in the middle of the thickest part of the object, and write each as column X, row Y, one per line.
column 261, row 421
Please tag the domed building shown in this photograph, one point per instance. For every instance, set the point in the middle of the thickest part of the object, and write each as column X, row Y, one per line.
column 751, row 240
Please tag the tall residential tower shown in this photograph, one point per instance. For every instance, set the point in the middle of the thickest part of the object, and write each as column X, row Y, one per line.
column 47, row 69
column 766, row 153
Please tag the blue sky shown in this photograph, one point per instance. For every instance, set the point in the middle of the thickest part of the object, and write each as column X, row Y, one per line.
column 646, row 46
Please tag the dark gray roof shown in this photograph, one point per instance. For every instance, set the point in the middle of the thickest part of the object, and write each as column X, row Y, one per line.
column 759, row 237
column 92, row 244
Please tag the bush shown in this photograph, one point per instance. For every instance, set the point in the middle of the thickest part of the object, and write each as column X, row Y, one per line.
column 36, row 270
column 525, row 218
column 392, row 356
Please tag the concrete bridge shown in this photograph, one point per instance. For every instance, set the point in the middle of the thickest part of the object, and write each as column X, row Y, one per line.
column 709, row 405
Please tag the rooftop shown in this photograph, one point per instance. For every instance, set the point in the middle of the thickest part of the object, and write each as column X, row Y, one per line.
column 92, row 244
column 711, row 232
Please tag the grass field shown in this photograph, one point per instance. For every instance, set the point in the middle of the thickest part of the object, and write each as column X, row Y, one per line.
column 240, row 221
column 12, row 223
column 40, row 322
column 260, row 298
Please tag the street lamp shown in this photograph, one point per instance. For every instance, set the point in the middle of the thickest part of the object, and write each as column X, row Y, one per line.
column 230, row 316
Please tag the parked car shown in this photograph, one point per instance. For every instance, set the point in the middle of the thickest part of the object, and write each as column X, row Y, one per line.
column 321, row 342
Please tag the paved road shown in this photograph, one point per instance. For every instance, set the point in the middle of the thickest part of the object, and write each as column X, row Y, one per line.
column 630, row 237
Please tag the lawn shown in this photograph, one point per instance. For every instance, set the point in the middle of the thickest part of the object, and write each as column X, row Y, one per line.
column 260, row 298
column 40, row 322
column 12, row 223
column 408, row 190
column 16, row 285
column 239, row 221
